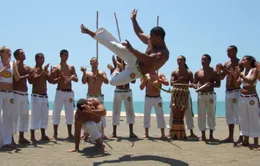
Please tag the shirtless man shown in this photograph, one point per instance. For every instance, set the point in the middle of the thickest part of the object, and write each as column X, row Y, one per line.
column 63, row 76
column 185, row 76
column 151, row 82
column 39, row 100
column 232, row 92
column 206, row 96
column 95, row 78
column 88, row 117
column 21, row 104
column 139, row 63
column 122, row 93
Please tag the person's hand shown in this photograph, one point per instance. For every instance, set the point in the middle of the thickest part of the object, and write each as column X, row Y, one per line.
column 127, row 45
column 46, row 67
column 86, row 107
column 219, row 67
column 53, row 70
column 83, row 29
column 72, row 150
column 83, row 69
column 110, row 67
column 257, row 65
column 235, row 73
column 133, row 14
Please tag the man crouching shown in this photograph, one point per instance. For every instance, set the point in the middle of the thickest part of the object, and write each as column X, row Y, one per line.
column 88, row 117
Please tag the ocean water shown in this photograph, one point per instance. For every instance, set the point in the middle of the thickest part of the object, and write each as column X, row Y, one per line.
column 139, row 107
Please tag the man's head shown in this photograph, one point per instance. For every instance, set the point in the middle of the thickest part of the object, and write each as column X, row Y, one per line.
column 5, row 52
column 19, row 55
column 39, row 59
column 80, row 103
column 181, row 60
column 232, row 51
column 249, row 61
column 94, row 62
column 157, row 35
column 64, row 54
column 205, row 60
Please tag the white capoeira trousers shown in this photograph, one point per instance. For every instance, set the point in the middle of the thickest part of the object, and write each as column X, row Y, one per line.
column 249, row 116
column 232, row 106
column 131, row 72
column 126, row 96
column 207, row 107
column 40, row 112
column 6, row 117
column 93, row 128
column 188, row 117
column 101, row 99
column 21, row 111
column 157, row 104
column 66, row 98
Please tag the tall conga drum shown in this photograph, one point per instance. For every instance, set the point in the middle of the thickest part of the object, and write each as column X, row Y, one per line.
column 179, row 104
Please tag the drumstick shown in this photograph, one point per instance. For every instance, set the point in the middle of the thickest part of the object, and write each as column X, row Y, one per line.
column 203, row 86
column 157, row 21
column 97, row 41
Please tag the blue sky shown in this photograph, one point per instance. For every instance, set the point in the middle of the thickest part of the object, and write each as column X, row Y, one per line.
column 193, row 27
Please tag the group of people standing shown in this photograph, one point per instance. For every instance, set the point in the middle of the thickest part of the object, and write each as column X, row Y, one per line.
column 242, row 104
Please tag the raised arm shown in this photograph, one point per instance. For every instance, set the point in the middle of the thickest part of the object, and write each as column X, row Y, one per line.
column 84, row 79
column 138, row 31
column 73, row 76
column 103, row 76
column 151, row 59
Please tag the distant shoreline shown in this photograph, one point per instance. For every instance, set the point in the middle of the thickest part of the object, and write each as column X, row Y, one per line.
column 123, row 114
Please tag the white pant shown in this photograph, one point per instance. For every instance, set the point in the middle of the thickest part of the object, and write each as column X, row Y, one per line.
column 206, row 106
column 249, row 116
column 66, row 98
column 158, row 107
column 93, row 128
column 6, row 118
column 188, row 116
column 131, row 72
column 101, row 99
column 21, row 104
column 40, row 112
column 232, row 107
column 126, row 96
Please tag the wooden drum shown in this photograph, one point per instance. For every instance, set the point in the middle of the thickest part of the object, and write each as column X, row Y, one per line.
column 179, row 103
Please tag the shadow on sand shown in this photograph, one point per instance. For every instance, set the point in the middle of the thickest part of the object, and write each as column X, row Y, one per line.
column 128, row 158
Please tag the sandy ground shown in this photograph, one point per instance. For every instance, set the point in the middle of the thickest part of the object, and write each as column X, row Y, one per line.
column 125, row 151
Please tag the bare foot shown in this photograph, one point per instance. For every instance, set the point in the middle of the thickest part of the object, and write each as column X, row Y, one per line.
column 203, row 139
column 55, row 137
column 146, row 136
column 163, row 137
column 246, row 144
column 113, row 135
column 23, row 141
column 45, row 138
column 105, row 137
column 132, row 135
column 101, row 149
column 193, row 136
column 212, row 139
column 71, row 136
column 33, row 139
column 227, row 140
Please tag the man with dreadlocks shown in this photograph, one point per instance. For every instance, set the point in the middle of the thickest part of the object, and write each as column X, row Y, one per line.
column 183, row 75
